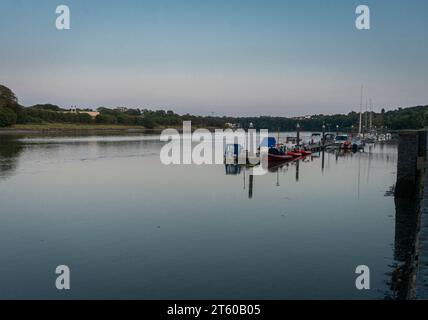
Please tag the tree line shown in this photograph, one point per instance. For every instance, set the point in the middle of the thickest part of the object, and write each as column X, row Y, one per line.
column 11, row 112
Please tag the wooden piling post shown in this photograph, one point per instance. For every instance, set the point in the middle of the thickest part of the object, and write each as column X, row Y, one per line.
column 297, row 170
column 250, row 187
column 323, row 161
column 407, row 165
column 323, row 136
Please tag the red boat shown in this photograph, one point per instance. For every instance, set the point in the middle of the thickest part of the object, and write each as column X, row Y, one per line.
column 278, row 157
column 294, row 154
column 305, row 153
column 276, row 154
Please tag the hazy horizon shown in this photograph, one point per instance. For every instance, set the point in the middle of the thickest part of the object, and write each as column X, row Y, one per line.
column 356, row 109
column 276, row 58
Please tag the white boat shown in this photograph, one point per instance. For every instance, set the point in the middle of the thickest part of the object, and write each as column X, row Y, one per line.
column 342, row 141
column 357, row 143
column 291, row 143
column 315, row 138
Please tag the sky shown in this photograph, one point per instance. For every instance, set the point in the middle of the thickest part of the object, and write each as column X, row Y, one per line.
column 223, row 57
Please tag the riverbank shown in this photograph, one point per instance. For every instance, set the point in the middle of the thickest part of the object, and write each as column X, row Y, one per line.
column 48, row 127
column 78, row 127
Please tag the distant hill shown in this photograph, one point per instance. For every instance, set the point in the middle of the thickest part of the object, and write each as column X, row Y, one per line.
column 50, row 107
column 11, row 112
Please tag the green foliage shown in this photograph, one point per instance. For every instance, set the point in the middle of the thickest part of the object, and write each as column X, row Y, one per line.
column 108, row 111
column 148, row 123
column 11, row 112
column 124, row 118
column 42, row 115
column 9, row 100
column 133, row 112
column 7, row 97
column 106, row 119
column 30, row 119
column 7, row 117
column 50, row 107
column 83, row 118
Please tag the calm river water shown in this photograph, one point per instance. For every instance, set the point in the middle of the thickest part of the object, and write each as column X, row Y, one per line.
column 130, row 227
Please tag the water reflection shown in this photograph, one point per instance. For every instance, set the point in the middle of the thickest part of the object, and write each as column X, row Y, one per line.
column 113, row 193
column 251, row 186
column 297, row 170
column 406, row 225
column 233, row 169
column 406, row 211
column 323, row 161
column 10, row 150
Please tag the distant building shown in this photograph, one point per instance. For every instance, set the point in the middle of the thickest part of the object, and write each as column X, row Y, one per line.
column 307, row 117
column 121, row 109
column 231, row 125
column 93, row 114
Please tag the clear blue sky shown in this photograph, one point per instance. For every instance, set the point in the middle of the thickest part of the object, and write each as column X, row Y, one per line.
column 225, row 56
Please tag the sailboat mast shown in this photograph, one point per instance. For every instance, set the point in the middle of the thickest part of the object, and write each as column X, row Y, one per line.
column 366, row 121
column 371, row 115
column 361, row 110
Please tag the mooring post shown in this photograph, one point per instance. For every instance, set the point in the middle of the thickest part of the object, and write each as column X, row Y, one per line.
column 323, row 136
column 337, row 130
column 250, row 187
column 322, row 160
column 298, row 134
column 297, row 170
column 407, row 165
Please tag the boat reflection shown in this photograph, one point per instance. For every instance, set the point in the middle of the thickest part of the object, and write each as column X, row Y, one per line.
column 233, row 169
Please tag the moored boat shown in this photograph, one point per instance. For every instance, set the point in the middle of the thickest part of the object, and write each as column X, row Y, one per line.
column 342, row 141
column 276, row 154
column 357, row 143
column 279, row 157
column 315, row 138
column 304, row 152
column 294, row 154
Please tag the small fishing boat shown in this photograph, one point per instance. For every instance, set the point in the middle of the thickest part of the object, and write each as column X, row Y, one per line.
column 277, row 154
column 342, row 141
column 315, row 138
column 329, row 138
column 279, row 157
column 357, row 143
column 235, row 153
column 291, row 142
column 369, row 138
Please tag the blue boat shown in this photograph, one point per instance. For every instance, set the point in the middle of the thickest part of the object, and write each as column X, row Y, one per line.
column 269, row 142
